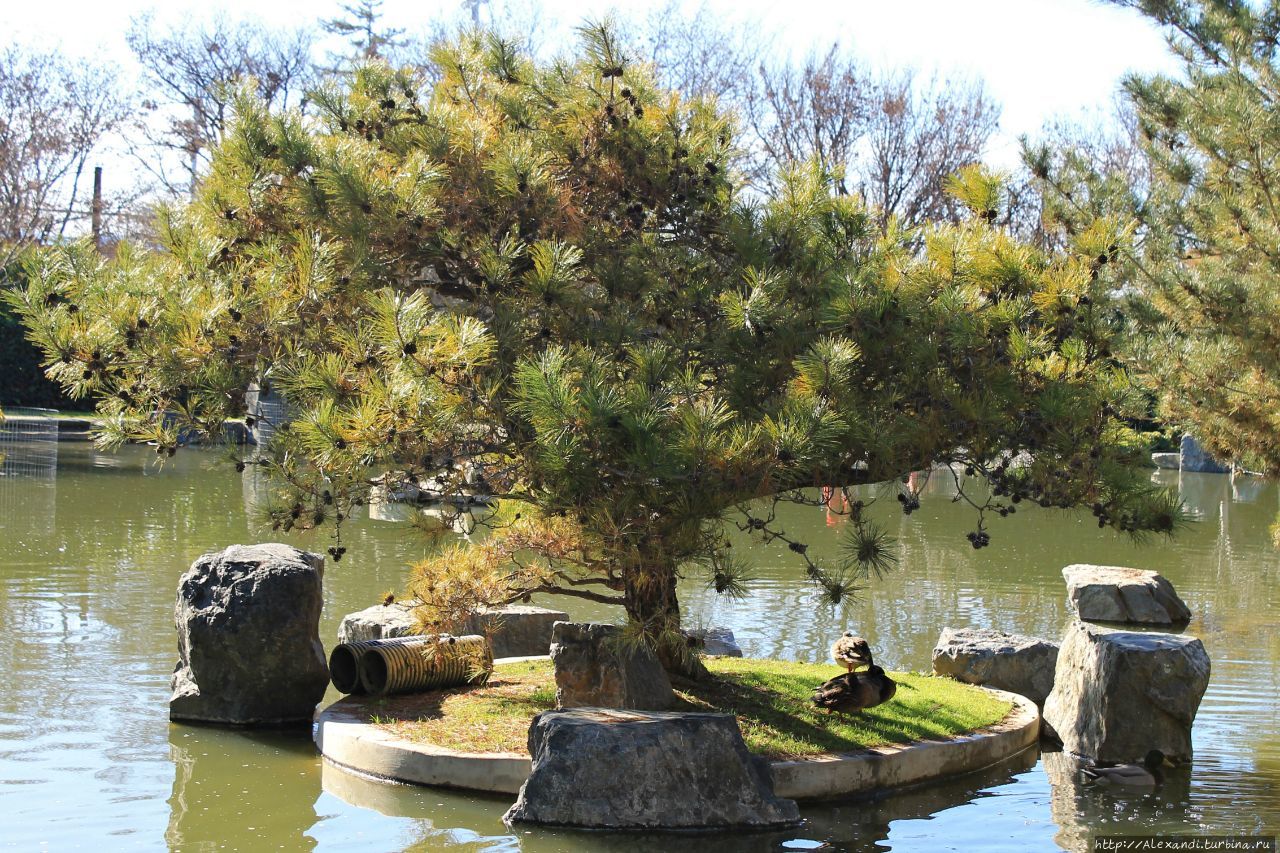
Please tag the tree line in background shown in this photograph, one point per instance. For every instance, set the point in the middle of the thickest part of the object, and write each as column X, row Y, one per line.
column 636, row 316
column 890, row 135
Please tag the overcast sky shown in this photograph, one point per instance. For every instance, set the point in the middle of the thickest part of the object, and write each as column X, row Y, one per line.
column 1040, row 58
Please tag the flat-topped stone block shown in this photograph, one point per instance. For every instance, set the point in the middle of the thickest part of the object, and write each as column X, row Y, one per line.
column 1122, row 594
column 1022, row 665
column 516, row 630
column 613, row 769
column 380, row 622
column 1119, row 694
column 513, row 631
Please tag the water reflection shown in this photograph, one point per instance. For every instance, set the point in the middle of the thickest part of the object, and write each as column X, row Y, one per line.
column 241, row 784
column 87, row 578
column 443, row 820
column 1083, row 810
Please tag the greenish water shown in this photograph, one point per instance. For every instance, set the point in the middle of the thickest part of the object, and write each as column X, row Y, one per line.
column 89, row 562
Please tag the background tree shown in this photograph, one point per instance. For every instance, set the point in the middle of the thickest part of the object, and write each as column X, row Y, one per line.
column 890, row 137
column 541, row 283
column 917, row 136
column 191, row 73
column 363, row 32
column 1203, row 262
column 53, row 116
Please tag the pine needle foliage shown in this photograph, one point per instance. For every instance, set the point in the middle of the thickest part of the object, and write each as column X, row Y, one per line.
column 543, row 283
column 1200, row 258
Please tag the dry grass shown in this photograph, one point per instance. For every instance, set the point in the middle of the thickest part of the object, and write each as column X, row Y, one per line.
column 769, row 698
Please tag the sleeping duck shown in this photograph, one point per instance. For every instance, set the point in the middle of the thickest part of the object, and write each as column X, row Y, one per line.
column 855, row 691
column 1147, row 774
column 851, row 651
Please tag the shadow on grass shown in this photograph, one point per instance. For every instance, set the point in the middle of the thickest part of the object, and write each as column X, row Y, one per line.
column 779, row 720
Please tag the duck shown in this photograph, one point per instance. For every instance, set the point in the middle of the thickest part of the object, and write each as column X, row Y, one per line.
column 855, row 691
column 1148, row 774
column 851, row 652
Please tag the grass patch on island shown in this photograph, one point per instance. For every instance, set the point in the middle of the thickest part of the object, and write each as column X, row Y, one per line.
column 770, row 699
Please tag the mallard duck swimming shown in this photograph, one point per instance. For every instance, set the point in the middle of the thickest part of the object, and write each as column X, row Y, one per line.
column 855, row 691
column 851, row 651
column 1147, row 774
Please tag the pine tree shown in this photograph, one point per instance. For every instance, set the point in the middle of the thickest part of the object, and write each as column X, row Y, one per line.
column 1200, row 258
column 360, row 28
column 543, row 283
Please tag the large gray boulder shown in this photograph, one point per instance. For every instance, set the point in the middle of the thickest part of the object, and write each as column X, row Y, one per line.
column 1122, row 594
column 1022, row 665
column 380, row 622
column 249, row 649
column 1194, row 458
column 595, row 667
column 609, row 769
column 516, row 630
column 1119, row 694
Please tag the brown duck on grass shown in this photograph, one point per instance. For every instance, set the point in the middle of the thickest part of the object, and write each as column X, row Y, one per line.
column 855, row 691
column 851, row 652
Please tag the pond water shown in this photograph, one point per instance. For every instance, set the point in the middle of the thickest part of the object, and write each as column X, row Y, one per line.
column 89, row 563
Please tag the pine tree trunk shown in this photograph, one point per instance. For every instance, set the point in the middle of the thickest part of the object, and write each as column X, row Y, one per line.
column 652, row 604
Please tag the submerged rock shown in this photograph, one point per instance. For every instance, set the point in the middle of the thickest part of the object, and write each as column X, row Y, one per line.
column 609, row 769
column 715, row 641
column 1022, row 665
column 249, row 649
column 1122, row 594
column 1119, row 694
column 595, row 667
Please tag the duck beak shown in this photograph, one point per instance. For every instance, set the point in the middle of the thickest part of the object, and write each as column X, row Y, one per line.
column 1169, row 762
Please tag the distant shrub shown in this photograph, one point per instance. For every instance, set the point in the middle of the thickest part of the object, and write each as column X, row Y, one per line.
column 22, row 379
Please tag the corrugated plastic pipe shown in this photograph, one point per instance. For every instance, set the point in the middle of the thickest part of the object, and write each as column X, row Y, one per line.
column 403, row 666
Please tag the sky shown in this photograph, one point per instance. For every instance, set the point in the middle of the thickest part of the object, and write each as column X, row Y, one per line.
column 1040, row 59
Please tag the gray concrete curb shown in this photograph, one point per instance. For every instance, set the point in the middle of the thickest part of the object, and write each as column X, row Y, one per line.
column 345, row 740
column 880, row 768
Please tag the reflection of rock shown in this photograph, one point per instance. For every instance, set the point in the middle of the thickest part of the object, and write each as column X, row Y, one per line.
column 1083, row 810
column 248, row 637
column 433, row 517
column 1196, row 459
column 1246, row 488
column 612, row 769
column 866, row 822
column 1121, row 594
column 1118, row 694
column 1064, row 806
column 1203, row 494
column 595, row 667
column 1023, row 665
column 225, row 779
